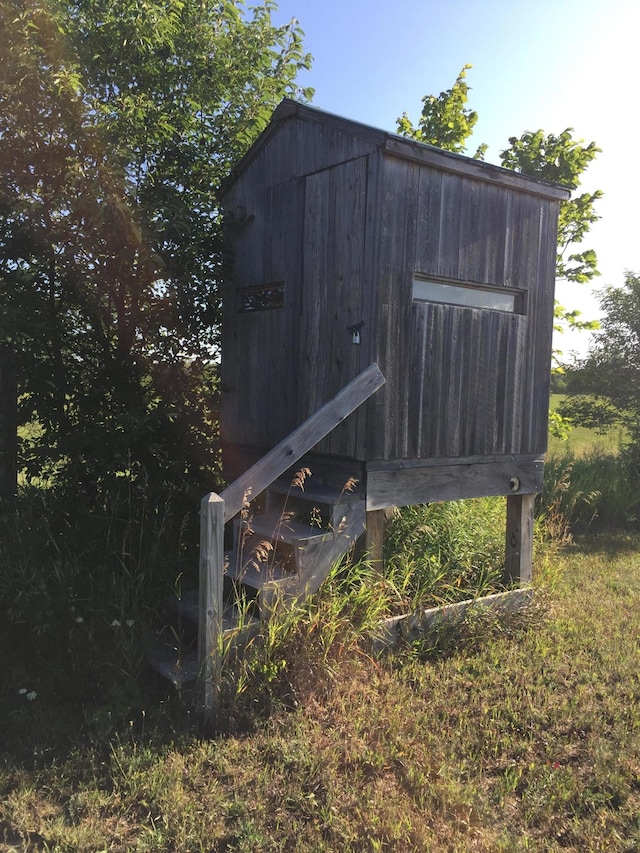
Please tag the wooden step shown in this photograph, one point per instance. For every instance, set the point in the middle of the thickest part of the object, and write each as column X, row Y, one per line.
column 272, row 526
column 326, row 502
column 177, row 668
column 178, row 662
column 187, row 605
column 255, row 573
column 316, row 493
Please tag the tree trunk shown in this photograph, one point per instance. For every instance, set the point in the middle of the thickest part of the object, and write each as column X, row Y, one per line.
column 8, row 423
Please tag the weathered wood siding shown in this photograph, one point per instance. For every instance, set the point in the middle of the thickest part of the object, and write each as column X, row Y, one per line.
column 337, row 225
column 346, row 217
column 260, row 348
column 304, row 196
column 461, row 381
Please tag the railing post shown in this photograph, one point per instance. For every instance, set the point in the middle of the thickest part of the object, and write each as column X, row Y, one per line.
column 211, row 603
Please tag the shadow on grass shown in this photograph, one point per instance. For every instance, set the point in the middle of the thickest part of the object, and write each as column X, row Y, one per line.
column 611, row 543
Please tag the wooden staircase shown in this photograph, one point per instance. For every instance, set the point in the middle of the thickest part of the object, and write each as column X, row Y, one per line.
column 278, row 557
column 282, row 554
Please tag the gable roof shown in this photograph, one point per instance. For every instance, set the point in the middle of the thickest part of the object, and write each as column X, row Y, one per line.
column 394, row 145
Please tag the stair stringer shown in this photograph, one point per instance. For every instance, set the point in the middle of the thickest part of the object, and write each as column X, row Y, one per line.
column 316, row 560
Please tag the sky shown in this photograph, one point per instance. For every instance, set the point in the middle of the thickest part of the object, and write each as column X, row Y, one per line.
column 550, row 64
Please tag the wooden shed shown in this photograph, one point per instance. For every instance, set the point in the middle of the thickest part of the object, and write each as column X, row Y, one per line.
column 351, row 246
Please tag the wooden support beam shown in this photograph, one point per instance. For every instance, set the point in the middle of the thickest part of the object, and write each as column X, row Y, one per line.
column 518, row 566
column 211, row 602
column 402, row 482
column 374, row 538
column 398, row 630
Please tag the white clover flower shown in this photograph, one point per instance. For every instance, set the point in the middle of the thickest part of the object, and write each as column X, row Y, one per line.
column 79, row 620
column 22, row 691
column 116, row 623
column 130, row 623
column 32, row 695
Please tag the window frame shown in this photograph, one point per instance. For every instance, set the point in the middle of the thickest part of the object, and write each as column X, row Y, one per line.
column 516, row 298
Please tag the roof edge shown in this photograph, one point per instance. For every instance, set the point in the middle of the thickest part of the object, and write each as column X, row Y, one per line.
column 398, row 146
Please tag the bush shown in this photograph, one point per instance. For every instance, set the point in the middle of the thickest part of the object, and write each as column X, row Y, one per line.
column 446, row 552
column 80, row 588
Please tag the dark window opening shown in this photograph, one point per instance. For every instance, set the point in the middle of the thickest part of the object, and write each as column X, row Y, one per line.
column 268, row 297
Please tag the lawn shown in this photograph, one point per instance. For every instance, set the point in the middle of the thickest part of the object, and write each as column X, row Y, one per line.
column 499, row 736
column 517, row 737
column 581, row 440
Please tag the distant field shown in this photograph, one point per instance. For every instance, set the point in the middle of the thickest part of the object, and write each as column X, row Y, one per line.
column 582, row 441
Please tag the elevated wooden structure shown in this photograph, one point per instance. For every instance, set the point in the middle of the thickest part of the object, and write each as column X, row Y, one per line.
column 357, row 256
column 348, row 246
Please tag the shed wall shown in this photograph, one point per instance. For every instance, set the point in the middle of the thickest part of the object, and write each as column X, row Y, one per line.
column 461, row 381
column 304, row 200
column 346, row 226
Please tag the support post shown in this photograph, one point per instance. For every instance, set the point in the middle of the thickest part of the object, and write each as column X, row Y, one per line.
column 211, row 602
column 8, row 424
column 518, row 566
column 374, row 538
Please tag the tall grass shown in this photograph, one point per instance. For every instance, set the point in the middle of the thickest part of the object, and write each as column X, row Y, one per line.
column 445, row 552
column 80, row 591
column 506, row 744
column 589, row 481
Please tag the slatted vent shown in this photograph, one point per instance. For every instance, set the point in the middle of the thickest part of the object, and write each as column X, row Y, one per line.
column 268, row 297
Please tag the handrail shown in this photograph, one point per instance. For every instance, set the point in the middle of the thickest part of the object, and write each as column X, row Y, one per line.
column 215, row 510
column 301, row 440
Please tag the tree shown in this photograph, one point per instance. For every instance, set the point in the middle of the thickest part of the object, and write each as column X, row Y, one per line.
column 604, row 388
column 445, row 121
column 118, row 121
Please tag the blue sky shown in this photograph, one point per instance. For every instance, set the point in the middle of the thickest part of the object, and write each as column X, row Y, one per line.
column 549, row 64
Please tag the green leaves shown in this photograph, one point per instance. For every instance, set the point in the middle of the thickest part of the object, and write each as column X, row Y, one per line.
column 118, row 121
column 444, row 122
column 562, row 160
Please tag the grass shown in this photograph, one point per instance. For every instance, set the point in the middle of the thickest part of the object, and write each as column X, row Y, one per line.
column 588, row 484
column 582, row 441
column 519, row 738
column 510, row 735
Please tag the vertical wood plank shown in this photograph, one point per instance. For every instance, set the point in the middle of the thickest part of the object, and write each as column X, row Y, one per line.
column 210, row 604
column 518, row 567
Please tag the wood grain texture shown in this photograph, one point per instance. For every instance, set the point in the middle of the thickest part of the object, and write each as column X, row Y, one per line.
column 401, row 486
column 519, row 539
column 211, row 605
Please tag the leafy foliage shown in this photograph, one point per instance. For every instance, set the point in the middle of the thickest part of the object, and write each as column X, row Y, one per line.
column 604, row 388
column 445, row 121
column 562, row 160
column 118, row 121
